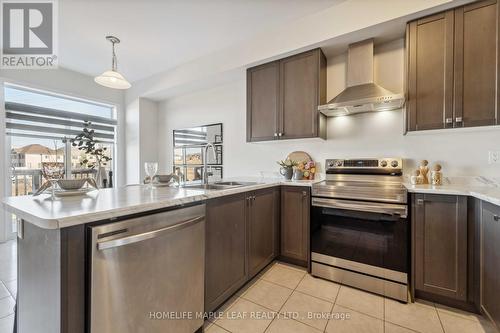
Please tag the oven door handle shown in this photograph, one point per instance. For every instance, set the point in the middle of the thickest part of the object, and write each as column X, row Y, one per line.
column 371, row 207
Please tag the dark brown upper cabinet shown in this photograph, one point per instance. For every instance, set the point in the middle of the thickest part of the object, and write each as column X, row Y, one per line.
column 295, row 210
column 476, row 59
column 283, row 98
column 263, row 102
column 439, row 231
column 263, row 228
column 490, row 262
column 430, row 72
column 452, row 74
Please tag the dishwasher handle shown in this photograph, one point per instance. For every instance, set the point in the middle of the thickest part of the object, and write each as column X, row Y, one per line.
column 148, row 235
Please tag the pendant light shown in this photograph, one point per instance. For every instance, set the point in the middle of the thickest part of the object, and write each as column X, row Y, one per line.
column 111, row 78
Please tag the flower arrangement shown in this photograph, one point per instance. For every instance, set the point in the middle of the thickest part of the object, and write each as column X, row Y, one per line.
column 286, row 169
column 288, row 163
column 308, row 168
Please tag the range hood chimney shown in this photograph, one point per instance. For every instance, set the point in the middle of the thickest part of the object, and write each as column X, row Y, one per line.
column 361, row 94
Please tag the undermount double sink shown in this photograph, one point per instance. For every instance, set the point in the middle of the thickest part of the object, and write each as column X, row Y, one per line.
column 222, row 185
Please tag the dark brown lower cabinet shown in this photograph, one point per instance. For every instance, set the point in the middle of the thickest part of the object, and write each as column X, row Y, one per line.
column 440, row 248
column 490, row 262
column 263, row 228
column 242, row 237
column 295, row 211
column 225, row 246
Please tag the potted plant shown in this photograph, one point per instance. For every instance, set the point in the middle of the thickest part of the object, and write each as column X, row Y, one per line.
column 87, row 143
column 286, row 169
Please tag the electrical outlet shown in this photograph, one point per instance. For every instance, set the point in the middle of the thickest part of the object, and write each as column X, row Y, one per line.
column 494, row 157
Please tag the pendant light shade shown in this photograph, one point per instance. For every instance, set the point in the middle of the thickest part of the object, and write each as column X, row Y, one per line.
column 111, row 78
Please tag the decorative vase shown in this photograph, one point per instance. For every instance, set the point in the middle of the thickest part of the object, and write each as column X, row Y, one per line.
column 424, row 171
column 298, row 174
column 437, row 175
column 287, row 173
column 100, row 176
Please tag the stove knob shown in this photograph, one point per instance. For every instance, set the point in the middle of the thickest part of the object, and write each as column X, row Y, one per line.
column 383, row 163
column 394, row 164
column 330, row 164
column 338, row 163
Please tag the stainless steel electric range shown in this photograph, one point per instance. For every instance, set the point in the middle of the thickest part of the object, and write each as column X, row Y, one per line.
column 360, row 227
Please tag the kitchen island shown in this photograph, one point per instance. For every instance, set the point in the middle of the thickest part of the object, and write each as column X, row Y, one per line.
column 55, row 255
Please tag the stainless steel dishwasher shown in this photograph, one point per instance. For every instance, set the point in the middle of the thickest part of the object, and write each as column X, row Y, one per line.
column 147, row 273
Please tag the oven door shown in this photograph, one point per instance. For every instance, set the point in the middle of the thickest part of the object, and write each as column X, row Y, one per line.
column 365, row 237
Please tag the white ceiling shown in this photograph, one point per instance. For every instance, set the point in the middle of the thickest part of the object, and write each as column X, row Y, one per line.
column 158, row 35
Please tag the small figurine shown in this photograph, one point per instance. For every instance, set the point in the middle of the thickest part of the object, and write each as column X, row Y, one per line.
column 424, row 171
column 437, row 175
column 416, row 178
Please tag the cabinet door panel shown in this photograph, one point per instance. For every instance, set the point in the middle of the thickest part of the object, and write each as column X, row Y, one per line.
column 440, row 240
column 476, row 59
column 430, row 77
column 490, row 262
column 225, row 263
column 300, row 95
column 295, row 207
column 263, row 102
column 262, row 229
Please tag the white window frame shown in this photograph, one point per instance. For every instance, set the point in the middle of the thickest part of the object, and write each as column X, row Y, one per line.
column 6, row 232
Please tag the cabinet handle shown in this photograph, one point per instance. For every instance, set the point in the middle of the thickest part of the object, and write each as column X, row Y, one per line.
column 280, row 134
column 458, row 119
column 420, row 202
column 496, row 218
column 253, row 198
column 304, row 194
column 449, row 120
column 275, row 134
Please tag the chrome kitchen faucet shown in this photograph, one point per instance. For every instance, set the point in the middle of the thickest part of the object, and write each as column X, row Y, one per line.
column 205, row 158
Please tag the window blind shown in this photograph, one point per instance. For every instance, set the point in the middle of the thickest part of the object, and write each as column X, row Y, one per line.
column 31, row 120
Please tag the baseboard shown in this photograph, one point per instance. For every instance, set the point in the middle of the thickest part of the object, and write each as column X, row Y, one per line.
column 293, row 261
column 466, row 306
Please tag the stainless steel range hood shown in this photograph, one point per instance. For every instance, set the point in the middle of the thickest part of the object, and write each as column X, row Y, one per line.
column 361, row 94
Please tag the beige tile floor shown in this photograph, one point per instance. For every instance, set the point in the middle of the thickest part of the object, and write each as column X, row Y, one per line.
column 285, row 298
column 8, row 285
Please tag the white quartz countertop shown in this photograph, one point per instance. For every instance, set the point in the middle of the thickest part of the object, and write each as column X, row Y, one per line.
column 111, row 203
column 487, row 193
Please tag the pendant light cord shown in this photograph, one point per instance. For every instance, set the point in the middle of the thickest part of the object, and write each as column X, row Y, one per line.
column 113, row 59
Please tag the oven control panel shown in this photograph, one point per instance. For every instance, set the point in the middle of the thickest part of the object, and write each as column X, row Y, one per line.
column 387, row 165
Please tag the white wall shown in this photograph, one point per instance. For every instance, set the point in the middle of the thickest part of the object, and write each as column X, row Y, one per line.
column 132, row 149
column 142, row 137
column 461, row 152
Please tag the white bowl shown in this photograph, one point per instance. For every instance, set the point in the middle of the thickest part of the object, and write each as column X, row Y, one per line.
column 71, row 184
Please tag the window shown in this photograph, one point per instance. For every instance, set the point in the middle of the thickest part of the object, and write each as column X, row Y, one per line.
column 40, row 126
column 188, row 156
